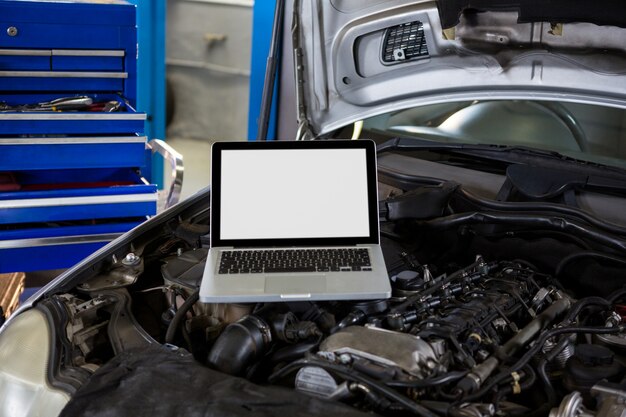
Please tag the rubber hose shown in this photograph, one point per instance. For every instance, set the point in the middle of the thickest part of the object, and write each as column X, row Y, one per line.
column 291, row 353
column 584, row 303
column 541, row 206
column 180, row 314
column 527, row 220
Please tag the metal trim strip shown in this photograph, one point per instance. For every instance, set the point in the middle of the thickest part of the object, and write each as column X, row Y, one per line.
column 63, row 74
column 78, row 201
column 73, row 141
column 56, row 241
column 91, row 52
column 25, row 52
column 60, row 116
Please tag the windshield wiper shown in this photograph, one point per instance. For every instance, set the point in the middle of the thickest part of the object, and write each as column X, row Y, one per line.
column 416, row 144
column 541, row 173
column 502, row 153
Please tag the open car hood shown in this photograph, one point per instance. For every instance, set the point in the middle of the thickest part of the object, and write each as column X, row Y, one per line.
column 360, row 58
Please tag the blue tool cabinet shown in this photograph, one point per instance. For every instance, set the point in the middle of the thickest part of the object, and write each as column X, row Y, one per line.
column 70, row 180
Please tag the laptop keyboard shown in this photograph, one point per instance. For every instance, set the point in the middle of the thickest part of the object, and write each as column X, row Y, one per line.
column 294, row 260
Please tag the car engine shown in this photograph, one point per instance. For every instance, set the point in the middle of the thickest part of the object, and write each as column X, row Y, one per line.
column 491, row 338
column 480, row 323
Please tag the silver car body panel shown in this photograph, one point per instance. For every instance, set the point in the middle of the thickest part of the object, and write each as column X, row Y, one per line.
column 488, row 56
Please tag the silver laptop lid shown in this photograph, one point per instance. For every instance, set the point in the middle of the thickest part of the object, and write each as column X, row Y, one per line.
column 318, row 193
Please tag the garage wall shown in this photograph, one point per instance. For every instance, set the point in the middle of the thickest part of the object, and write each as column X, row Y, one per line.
column 210, row 79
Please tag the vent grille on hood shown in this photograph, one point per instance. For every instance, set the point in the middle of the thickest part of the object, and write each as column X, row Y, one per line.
column 404, row 42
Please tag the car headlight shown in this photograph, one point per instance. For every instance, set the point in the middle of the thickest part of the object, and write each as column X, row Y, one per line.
column 24, row 355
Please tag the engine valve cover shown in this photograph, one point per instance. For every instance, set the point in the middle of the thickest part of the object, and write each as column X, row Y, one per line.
column 410, row 353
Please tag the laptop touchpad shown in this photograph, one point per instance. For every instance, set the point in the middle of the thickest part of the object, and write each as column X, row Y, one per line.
column 286, row 284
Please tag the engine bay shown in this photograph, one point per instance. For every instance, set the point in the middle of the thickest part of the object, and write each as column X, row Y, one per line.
column 485, row 319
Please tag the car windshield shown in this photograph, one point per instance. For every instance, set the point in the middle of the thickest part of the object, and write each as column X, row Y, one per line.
column 582, row 131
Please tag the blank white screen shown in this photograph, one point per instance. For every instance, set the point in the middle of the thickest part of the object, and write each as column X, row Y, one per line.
column 293, row 193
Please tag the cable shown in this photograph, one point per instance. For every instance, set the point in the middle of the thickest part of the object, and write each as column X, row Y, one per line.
column 551, row 399
column 583, row 304
column 346, row 373
column 529, row 381
column 568, row 259
column 180, row 314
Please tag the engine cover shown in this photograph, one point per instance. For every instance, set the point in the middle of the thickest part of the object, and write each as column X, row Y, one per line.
column 410, row 353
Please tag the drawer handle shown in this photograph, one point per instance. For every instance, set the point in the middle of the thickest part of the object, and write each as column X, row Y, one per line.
column 4, row 115
column 96, row 140
column 88, row 53
column 63, row 74
column 176, row 163
column 25, row 52
column 63, row 52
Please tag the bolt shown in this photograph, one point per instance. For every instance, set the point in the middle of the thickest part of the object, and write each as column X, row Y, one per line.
column 345, row 358
column 12, row 31
column 131, row 259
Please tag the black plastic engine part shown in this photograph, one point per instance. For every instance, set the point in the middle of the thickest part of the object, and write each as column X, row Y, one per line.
column 280, row 323
column 590, row 365
column 371, row 307
column 191, row 232
column 187, row 269
column 407, row 282
column 360, row 312
column 240, row 345
column 425, row 202
column 324, row 320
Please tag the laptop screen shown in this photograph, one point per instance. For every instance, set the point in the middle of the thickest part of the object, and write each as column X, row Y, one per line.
column 294, row 194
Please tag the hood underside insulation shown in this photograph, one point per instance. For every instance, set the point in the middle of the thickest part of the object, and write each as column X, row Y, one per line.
column 155, row 382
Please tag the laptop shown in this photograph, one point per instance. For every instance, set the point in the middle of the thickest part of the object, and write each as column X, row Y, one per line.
column 294, row 220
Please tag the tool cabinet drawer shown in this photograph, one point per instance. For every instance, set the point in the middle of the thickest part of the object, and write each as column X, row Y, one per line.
column 99, row 81
column 47, row 247
column 63, row 69
column 56, row 24
column 72, row 152
column 25, row 60
column 20, row 115
column 51, row 196
column 46, row 60
column 45, row 35
column 87, row 60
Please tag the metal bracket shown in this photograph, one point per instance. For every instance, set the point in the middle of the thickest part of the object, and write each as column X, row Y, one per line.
column 176, row 163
